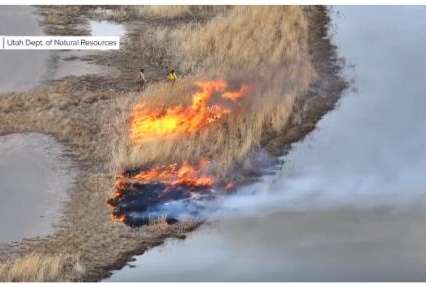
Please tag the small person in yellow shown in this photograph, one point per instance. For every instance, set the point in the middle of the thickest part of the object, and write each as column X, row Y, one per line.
column 171, row 76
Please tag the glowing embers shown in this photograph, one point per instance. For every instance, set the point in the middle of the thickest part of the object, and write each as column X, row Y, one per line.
column 148, row 124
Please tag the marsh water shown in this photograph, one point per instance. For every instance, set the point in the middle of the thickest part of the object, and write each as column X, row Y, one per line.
column 106, row 28
column 74, row 63
column 35, row 173
column 34, row 176
column 349, row 202
column 23, row 69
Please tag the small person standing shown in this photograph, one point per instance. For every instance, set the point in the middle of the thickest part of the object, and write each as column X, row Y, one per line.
column 171, row 76
column 142, row 80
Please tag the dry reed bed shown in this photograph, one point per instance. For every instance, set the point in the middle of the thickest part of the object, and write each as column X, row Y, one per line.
column 38, row 267
column 264, row 45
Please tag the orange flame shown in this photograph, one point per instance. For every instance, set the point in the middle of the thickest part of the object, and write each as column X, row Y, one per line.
column 119, row 218
column 148, row 124
column 175, row 175
column 172, row 175
column 120, row 186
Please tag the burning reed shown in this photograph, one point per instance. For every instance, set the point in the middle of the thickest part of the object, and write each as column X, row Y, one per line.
column 241, row 80
column 262, row 47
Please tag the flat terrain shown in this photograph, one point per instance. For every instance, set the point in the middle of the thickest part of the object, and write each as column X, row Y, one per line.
column 81, row 112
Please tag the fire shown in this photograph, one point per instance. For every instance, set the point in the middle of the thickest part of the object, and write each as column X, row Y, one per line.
column 174, row 175
column 155, row 185
column 120, row 186
column 119, row 218
column 147, row 123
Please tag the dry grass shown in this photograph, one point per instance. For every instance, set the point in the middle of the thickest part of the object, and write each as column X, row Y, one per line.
column 169, row 11
column 180, row 11
column 263, row 46
column 253, row 39
column 38, row 267
column 124, row 13
column 118, row 14
column 158, row 225
column 77, row 116
column 185, row 226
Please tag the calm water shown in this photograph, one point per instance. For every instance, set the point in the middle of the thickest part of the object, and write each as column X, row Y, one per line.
column 34, row 175
column 349, row 204
column 23, row 69
column 35, row 178
column 63, row 67
column 105, row 28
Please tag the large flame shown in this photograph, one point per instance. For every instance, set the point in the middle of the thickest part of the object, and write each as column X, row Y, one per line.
column 213, row 101
column 147, row 123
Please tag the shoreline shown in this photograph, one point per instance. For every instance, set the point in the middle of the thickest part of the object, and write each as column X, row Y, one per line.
column 77, row 119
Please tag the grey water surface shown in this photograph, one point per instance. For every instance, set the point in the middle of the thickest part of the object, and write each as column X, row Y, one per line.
column 78, row 66
column 34, row 179
column 349, row 202
column 20, row 69
column 34, row 173
column 106, row 28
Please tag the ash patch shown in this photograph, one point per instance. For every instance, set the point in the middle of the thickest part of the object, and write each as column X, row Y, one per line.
column 136, row 204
